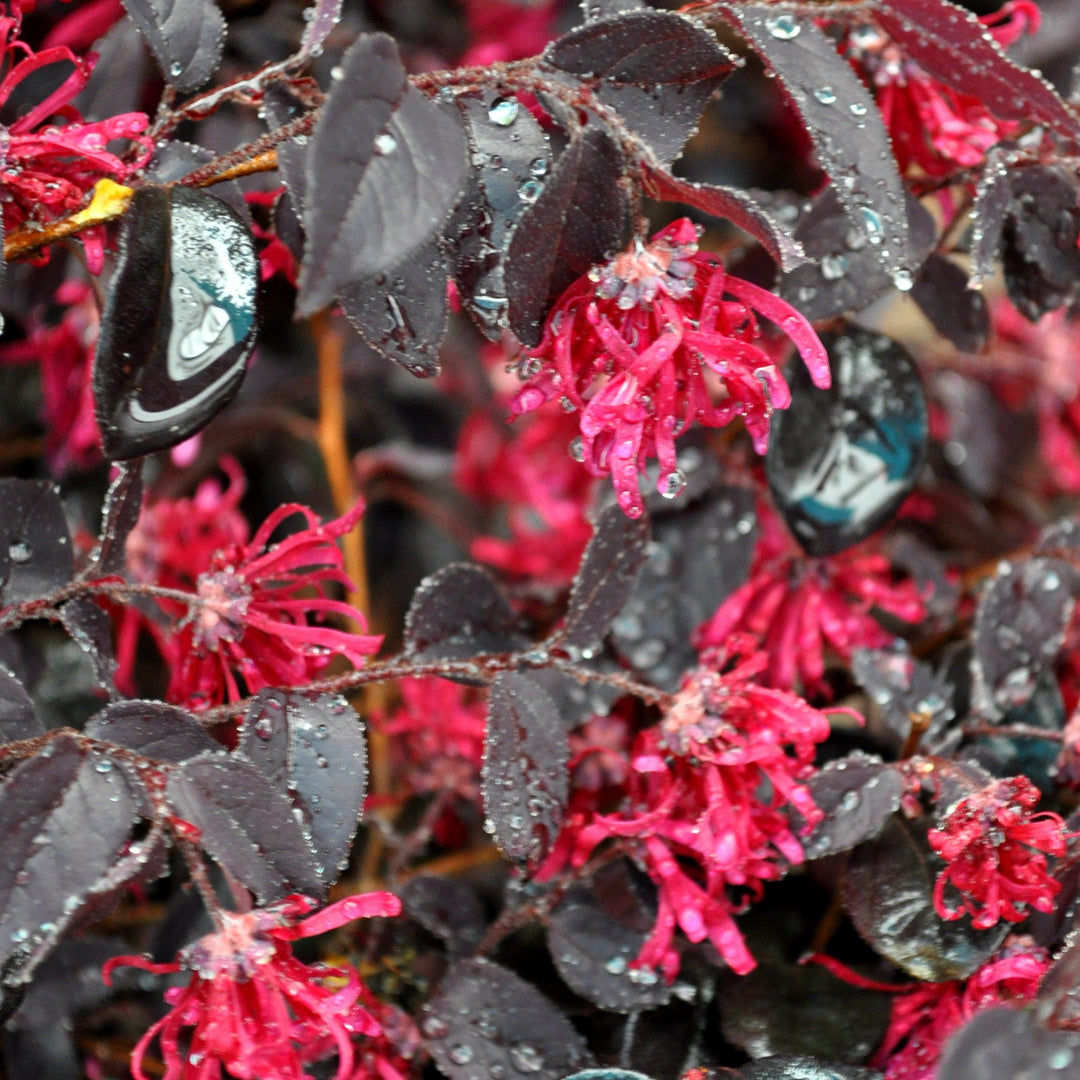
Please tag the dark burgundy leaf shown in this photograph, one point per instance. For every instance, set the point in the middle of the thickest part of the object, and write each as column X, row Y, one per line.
column 402, row 313
column 526, row 780
column 858, row 795
column 68, row 980
column 151, row 728
column 902, row 690
column 607, row 576
column 458, row 612
column 656, row 69
column 313, row 746
column 842, row 460
column 957, row 312
column 321, row 17
column 1019, row 628
column 18, row 719
column 594, row 951
column 782, row 1008
column 797, row 1067
column 246, row 823
column 91, row 629
column 888, row 892
column 65, row 818
column 579, row 219
column 846, row 273
column 993, row 193
column 1039, row 251
column 185, row 36
column 1009, row 1044
column 35, row 547
column 176, row 159
column 698, row 556
column 1059, row 991
column 384, row 167
column 974, row 443
column 123, row 501
column 179, row 323
column 485, row 1021
column 738, row 207
column 511, row 159
column 600, row 9
column 848, row 133
column 282, row 106
column 446, row 907
column 42, row 1051
column 953, row 46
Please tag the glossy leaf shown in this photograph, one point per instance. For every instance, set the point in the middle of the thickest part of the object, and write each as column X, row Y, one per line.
column 526, row 779
column 606, row 578
column 580, row 219
column 18, row 718
column 888, row 892
column 993, row 193
column 151, row 728
column 321, row 18
column 446, row 907
column 246, row 823
column 798, row 1067
column 185, row 36
column 957, row 312
column 91, row 629
column 1020, row 625
column 35, row 548
column 511, row 160
column 599, row 9
column 65, row 817
column 384, row 167
column 486, row 1021
column 312, row 746
column 656, row 69
column 123, row 502
column 179, row 323
column 1009, row 1044
column 849, row 135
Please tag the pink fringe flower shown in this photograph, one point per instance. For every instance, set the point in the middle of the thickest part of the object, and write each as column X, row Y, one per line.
column 797, row 607
column 660, row 337
column 252, row 1006
column 996, row 852
column 711, row 786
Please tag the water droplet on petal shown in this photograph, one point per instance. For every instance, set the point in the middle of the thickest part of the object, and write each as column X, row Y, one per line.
column 673, row 484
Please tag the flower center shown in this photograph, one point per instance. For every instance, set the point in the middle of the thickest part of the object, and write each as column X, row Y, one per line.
column 635, row 276
column 224, row 599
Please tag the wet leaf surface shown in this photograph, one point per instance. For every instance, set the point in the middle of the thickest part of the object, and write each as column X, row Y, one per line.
column 1009, row 1044
column 185, row 36
column 157, row 731
column 91, row 629
column 957, row 312
column 35, row 547
column 123, row 502
column 18, row 718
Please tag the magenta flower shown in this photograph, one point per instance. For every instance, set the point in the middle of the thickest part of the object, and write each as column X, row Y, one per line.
column 46, row 171
column 706, row 802
column 797, row 607
column 659, row 338
column 252, row 1006
column 996, row 851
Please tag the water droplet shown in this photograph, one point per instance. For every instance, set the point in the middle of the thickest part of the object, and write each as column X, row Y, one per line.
column 872, row 226
column 673, row 484
column 435, row 1027
column 529, row 190
column 461, row 1053
column 538, row 166
column 903, row 280
column 577, row 448
column 857, row 108
column 103, row 765
column 321, row 762
column 322, row 731
column 264, row 727
column 19, row 551
column 526, row 1058
column 826, row 95
column 503, row 111
column 616, row 965
column 784, row 27
column 385, row 144
column 834, row 267
column 176, row 69
column 1060, row 1058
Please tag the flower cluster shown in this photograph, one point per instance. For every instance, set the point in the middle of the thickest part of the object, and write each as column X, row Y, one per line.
column 711, row 785
column 658, row 338
column 933, row 127
column 796, row 607
column 249, row 616
column 52, row 158
column 996, row 852
column 255, row 1009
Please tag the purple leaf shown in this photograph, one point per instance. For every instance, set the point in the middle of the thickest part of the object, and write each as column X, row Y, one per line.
column 848, row 133
column 123, row 502
column 402, row 313
column 993, row 193
column 953, row 46
column 65, row 818
column 730, row 204
column 179, row 323
column 246, row 824
column 800, row 1067
column 606, row 578
column 185, row 36
column 384, row 167
column 656, row 69
column 580, row 219
column 35, row 547
column 91, row 629
column 176, row 159
column 974, row 447
column 1009, row 1044
column 321, row 17
column 511, row 159
column 858, row 794
column 957, row 312
column 446, row 907
column 312, row 747
column 486, row 1021
column 282, row 106
column 1020, row 625
column 526, row 779
column 888, row 892
column 151, row 728
column 601, row 9
column 18, row 719
column 457, row 612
